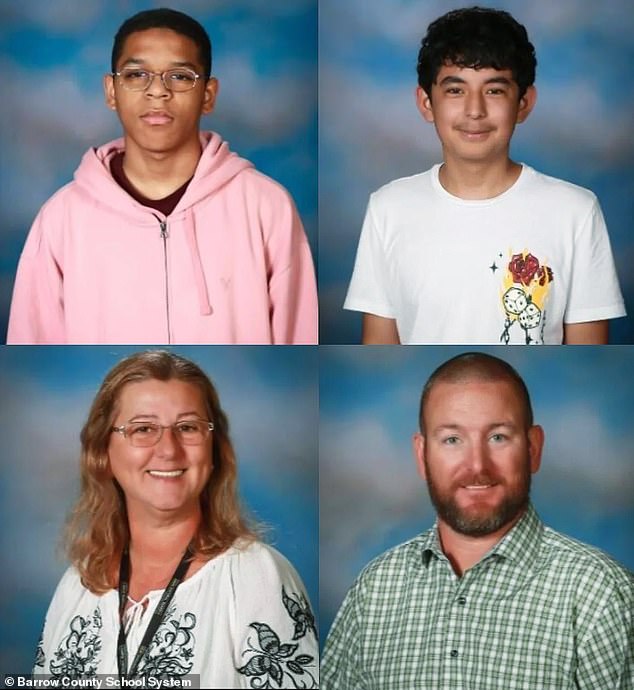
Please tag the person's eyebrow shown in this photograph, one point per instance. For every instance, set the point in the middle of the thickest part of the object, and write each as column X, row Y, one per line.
column 452, row 79
column 176, row 63
column 443, row 428
column 499, row 80
column 141, row 416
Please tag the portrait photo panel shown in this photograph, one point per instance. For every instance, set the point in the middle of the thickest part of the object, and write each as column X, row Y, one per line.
column 270, row 397
column 264, row 56
column 371, row 133
column 372, row 497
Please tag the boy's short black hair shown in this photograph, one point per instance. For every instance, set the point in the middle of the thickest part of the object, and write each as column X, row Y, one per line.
column 477, row 37
column 164, row 18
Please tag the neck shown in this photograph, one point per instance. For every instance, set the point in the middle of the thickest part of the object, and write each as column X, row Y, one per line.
column 478, row 180
column 464, row 551
column 158, row 174
column 157, row 543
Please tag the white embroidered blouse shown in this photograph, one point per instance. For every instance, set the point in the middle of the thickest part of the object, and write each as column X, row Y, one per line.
column 242, row 621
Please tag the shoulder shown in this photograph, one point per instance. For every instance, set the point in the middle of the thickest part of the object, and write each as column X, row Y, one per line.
column 264, row 583
column 262, row 189
column 588, row 566
column 259, row 565
column 262, row 182
column 403, row 188
column 393, row 565
column 58, row 202
column 70, row 596
column 70, row 582
column 557, row 190
column 93, row 167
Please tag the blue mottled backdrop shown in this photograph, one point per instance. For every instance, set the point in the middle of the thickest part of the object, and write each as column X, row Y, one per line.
column 370, row 132
column 270, row 397
column 53, row 56
column 371, row 497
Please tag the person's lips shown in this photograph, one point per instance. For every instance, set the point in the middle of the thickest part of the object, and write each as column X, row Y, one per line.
column 157, row 117
column 474, row 133
column 477, row 484
column 166, row 474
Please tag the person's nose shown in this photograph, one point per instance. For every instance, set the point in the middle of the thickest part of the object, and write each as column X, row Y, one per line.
column 168, row 444
column 475, row 105
column 479, row 456
column 157, row 88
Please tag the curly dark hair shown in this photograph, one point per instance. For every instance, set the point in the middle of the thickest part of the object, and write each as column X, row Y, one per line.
column 477, row 37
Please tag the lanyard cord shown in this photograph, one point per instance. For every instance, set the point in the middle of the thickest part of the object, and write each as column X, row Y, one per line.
column 157, row 616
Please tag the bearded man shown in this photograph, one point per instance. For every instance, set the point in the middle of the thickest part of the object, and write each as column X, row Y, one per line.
column 490, row 597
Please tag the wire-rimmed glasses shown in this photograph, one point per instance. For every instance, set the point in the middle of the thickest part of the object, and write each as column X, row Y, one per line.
column 189, row 432
column 137, row 79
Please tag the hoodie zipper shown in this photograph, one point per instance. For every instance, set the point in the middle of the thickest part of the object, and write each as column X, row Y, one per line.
column 164, row 236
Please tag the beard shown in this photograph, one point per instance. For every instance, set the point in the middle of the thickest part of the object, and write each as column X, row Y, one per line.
column 480, row 523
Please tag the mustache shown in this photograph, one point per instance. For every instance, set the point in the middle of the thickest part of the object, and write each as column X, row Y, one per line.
column 477, row 479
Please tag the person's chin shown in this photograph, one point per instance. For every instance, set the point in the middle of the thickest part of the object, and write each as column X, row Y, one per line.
column 157, row 140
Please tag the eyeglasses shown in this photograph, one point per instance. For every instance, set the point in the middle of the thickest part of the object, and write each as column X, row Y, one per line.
column 178, row 80
column 189, row 432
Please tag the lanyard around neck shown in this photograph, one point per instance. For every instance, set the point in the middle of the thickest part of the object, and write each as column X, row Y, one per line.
column 157, row 616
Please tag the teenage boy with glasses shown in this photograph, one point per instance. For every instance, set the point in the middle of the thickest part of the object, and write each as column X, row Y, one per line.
column 165, row 236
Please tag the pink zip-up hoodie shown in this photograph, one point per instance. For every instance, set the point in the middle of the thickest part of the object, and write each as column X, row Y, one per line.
column 231, row 263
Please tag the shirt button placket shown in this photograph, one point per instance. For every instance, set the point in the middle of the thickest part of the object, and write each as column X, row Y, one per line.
column 458, row 626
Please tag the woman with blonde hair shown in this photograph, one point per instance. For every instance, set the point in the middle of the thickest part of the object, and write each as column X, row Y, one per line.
column 166, row 577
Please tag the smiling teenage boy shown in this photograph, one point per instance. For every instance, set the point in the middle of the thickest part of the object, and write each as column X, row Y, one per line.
column 165, row 236
column 481, row 249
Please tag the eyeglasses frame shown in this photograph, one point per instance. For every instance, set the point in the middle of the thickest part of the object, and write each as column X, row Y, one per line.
column 162, row 76
column 121, row 430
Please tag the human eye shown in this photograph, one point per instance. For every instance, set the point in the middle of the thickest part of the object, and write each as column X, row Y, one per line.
column 181, row 75
column 188, row 427
column 498, row 437
column 453, row 90
column 452, row 440
column 134, row 74
column 142, row 429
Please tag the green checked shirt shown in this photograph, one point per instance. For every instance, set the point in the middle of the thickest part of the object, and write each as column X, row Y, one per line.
column 540, row 611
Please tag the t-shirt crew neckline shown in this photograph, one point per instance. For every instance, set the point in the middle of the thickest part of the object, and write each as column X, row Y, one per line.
column 165, row 205
column 441, row 191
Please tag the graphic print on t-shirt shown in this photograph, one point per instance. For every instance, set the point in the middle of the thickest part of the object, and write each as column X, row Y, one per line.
column 525, row 287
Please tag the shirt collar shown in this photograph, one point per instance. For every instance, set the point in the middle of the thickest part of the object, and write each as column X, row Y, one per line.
column 520, row 545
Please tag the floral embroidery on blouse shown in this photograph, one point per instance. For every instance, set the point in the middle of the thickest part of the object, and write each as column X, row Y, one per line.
column 271, row 660
column 78, row 653
column 172, row 649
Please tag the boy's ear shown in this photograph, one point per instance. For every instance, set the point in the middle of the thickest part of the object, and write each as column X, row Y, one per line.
column 210, row 94
column 527, row 103
column 423, row 102
column 108, row 91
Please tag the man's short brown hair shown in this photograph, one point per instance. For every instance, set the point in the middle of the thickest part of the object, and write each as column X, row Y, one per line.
column 476, row 366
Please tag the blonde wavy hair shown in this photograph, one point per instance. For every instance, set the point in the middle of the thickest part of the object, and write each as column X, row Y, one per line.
column 97, row 529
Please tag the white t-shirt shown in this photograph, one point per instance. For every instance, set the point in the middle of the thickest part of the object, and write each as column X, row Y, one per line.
column 243, row 620
column 508, row 270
